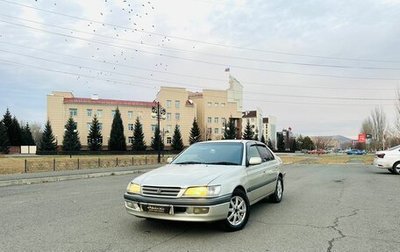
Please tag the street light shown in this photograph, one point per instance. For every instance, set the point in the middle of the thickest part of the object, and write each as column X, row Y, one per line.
column 158, row 112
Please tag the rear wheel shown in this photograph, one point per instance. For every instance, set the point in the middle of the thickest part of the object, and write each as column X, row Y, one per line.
column 396, row 168
column 238, row 213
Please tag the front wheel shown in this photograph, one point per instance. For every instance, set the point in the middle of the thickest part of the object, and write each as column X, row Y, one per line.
column 396, row 168
column 278, row 194
column 238, row 212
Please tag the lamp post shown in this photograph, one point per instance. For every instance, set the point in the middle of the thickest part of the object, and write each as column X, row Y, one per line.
column 158, row 112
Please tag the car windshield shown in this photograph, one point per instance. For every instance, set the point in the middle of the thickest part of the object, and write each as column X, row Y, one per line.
column 224, row 153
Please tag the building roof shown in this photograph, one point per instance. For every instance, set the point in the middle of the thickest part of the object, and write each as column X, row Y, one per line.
column 249, row 114
column 77, row 100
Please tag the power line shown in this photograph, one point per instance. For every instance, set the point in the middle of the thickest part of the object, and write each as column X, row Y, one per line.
column 179, row 83
column 208, row 54
column 263, row 84
column 202, row 61
column 205, row 42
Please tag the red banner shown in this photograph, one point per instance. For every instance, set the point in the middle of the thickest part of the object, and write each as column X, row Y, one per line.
column 362, row 137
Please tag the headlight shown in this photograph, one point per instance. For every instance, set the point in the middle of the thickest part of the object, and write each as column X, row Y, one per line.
column 133, row 188
column 202, row 191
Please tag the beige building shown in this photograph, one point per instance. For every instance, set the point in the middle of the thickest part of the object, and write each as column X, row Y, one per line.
column 254, row 117
column 62, row 105
column 211, row 108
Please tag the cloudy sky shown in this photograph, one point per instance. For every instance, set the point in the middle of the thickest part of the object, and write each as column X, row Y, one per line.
column 320, row 66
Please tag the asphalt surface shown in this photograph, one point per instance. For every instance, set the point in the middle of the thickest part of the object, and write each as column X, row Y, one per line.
column 325, row 208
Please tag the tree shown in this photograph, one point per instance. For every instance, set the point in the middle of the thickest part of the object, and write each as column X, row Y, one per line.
column 95, row 138
column 281, row 142
column 177, row 143
column 4, row 142
column 26, row 136
column 156, row 141
column 248, row 133
column 14, row 133
column 230, row 130
column 269, row 144
column 293, row 148
column 71, row 137
column 7, row 121
column 117, row 140
column 263, row 138
column 48, row 142
column 308, row 144
column 36, row 129
column 379, row 126
column 299, row 144
column 322, row 142
column 138, row 143
column 195, row 135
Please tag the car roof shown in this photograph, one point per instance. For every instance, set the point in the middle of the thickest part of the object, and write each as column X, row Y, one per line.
column 232, row 140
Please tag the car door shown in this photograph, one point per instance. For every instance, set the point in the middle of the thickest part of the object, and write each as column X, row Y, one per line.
column 271, row 166
column 256, row 175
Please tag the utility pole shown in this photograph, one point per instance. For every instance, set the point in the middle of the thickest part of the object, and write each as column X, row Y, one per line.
column 158, row 112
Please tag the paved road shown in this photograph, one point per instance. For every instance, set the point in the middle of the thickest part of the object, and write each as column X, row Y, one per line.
column 325, row 208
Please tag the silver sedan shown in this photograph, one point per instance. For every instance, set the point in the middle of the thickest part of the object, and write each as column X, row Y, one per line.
column 209, row 181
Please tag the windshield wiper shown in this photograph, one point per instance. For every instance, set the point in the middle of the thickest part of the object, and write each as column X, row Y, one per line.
column 222, row 163
column 190, row 162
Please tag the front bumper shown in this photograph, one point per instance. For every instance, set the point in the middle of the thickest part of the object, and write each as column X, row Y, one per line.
column 181, row 209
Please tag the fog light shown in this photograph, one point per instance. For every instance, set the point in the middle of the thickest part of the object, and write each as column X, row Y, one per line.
column 129, row 204
column 201, row 210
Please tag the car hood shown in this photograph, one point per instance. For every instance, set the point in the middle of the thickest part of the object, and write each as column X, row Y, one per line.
column 184, row 175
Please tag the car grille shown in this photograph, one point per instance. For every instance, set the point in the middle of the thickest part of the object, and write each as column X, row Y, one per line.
column 161, row 191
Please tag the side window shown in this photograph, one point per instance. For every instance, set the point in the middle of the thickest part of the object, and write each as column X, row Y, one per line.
column 253, row 152
column 266, row 155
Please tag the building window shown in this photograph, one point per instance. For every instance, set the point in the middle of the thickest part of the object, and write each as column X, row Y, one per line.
column 169, row 129
column 216, row 120
column 209, row 120
column 222, row 131
column 100, row 126
column 73, row 112
column 153, row 127
column 216, row 104
column 130, row 140
column 223, row 120
column 113, row 113
column 130, row 126
column 89, row 125
column 209, row 104
column 169, row 103
column 168, row 116
column 169, row 140
column 99, row 113
column 177, row 104
column 89, row 112
column 209, row 131
column 90, row 140
column 177, row 116
column 130, row 114
column 216, row 131
column 222, row 104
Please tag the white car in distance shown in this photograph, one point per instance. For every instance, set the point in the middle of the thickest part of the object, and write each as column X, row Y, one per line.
column 389, row 159
column 209, row 181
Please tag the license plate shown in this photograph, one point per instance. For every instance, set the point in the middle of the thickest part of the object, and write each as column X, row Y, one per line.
column 157, row 209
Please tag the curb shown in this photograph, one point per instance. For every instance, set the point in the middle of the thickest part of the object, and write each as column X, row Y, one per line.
column 29, row 181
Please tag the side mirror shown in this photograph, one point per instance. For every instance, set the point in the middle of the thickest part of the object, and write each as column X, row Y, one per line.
column 169, row 160
column 255, row 161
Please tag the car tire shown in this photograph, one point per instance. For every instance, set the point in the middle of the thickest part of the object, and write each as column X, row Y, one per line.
column 276, row 197
column 238, row 213
column 396, row 168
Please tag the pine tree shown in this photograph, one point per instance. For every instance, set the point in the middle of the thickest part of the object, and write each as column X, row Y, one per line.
column 230, row 130
column 7, row 121
column 71, row 137
column 157, row 140
column 308, row 144
column 95, row 138
column 177, row 143
column 26, row 136
column 138, row 143
column 195, row 135
column 263, row 139
column 48, row 142
column 248, row 133
column 15, row 133
column 281, row 143
column 4, row 143
column 117, row 140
